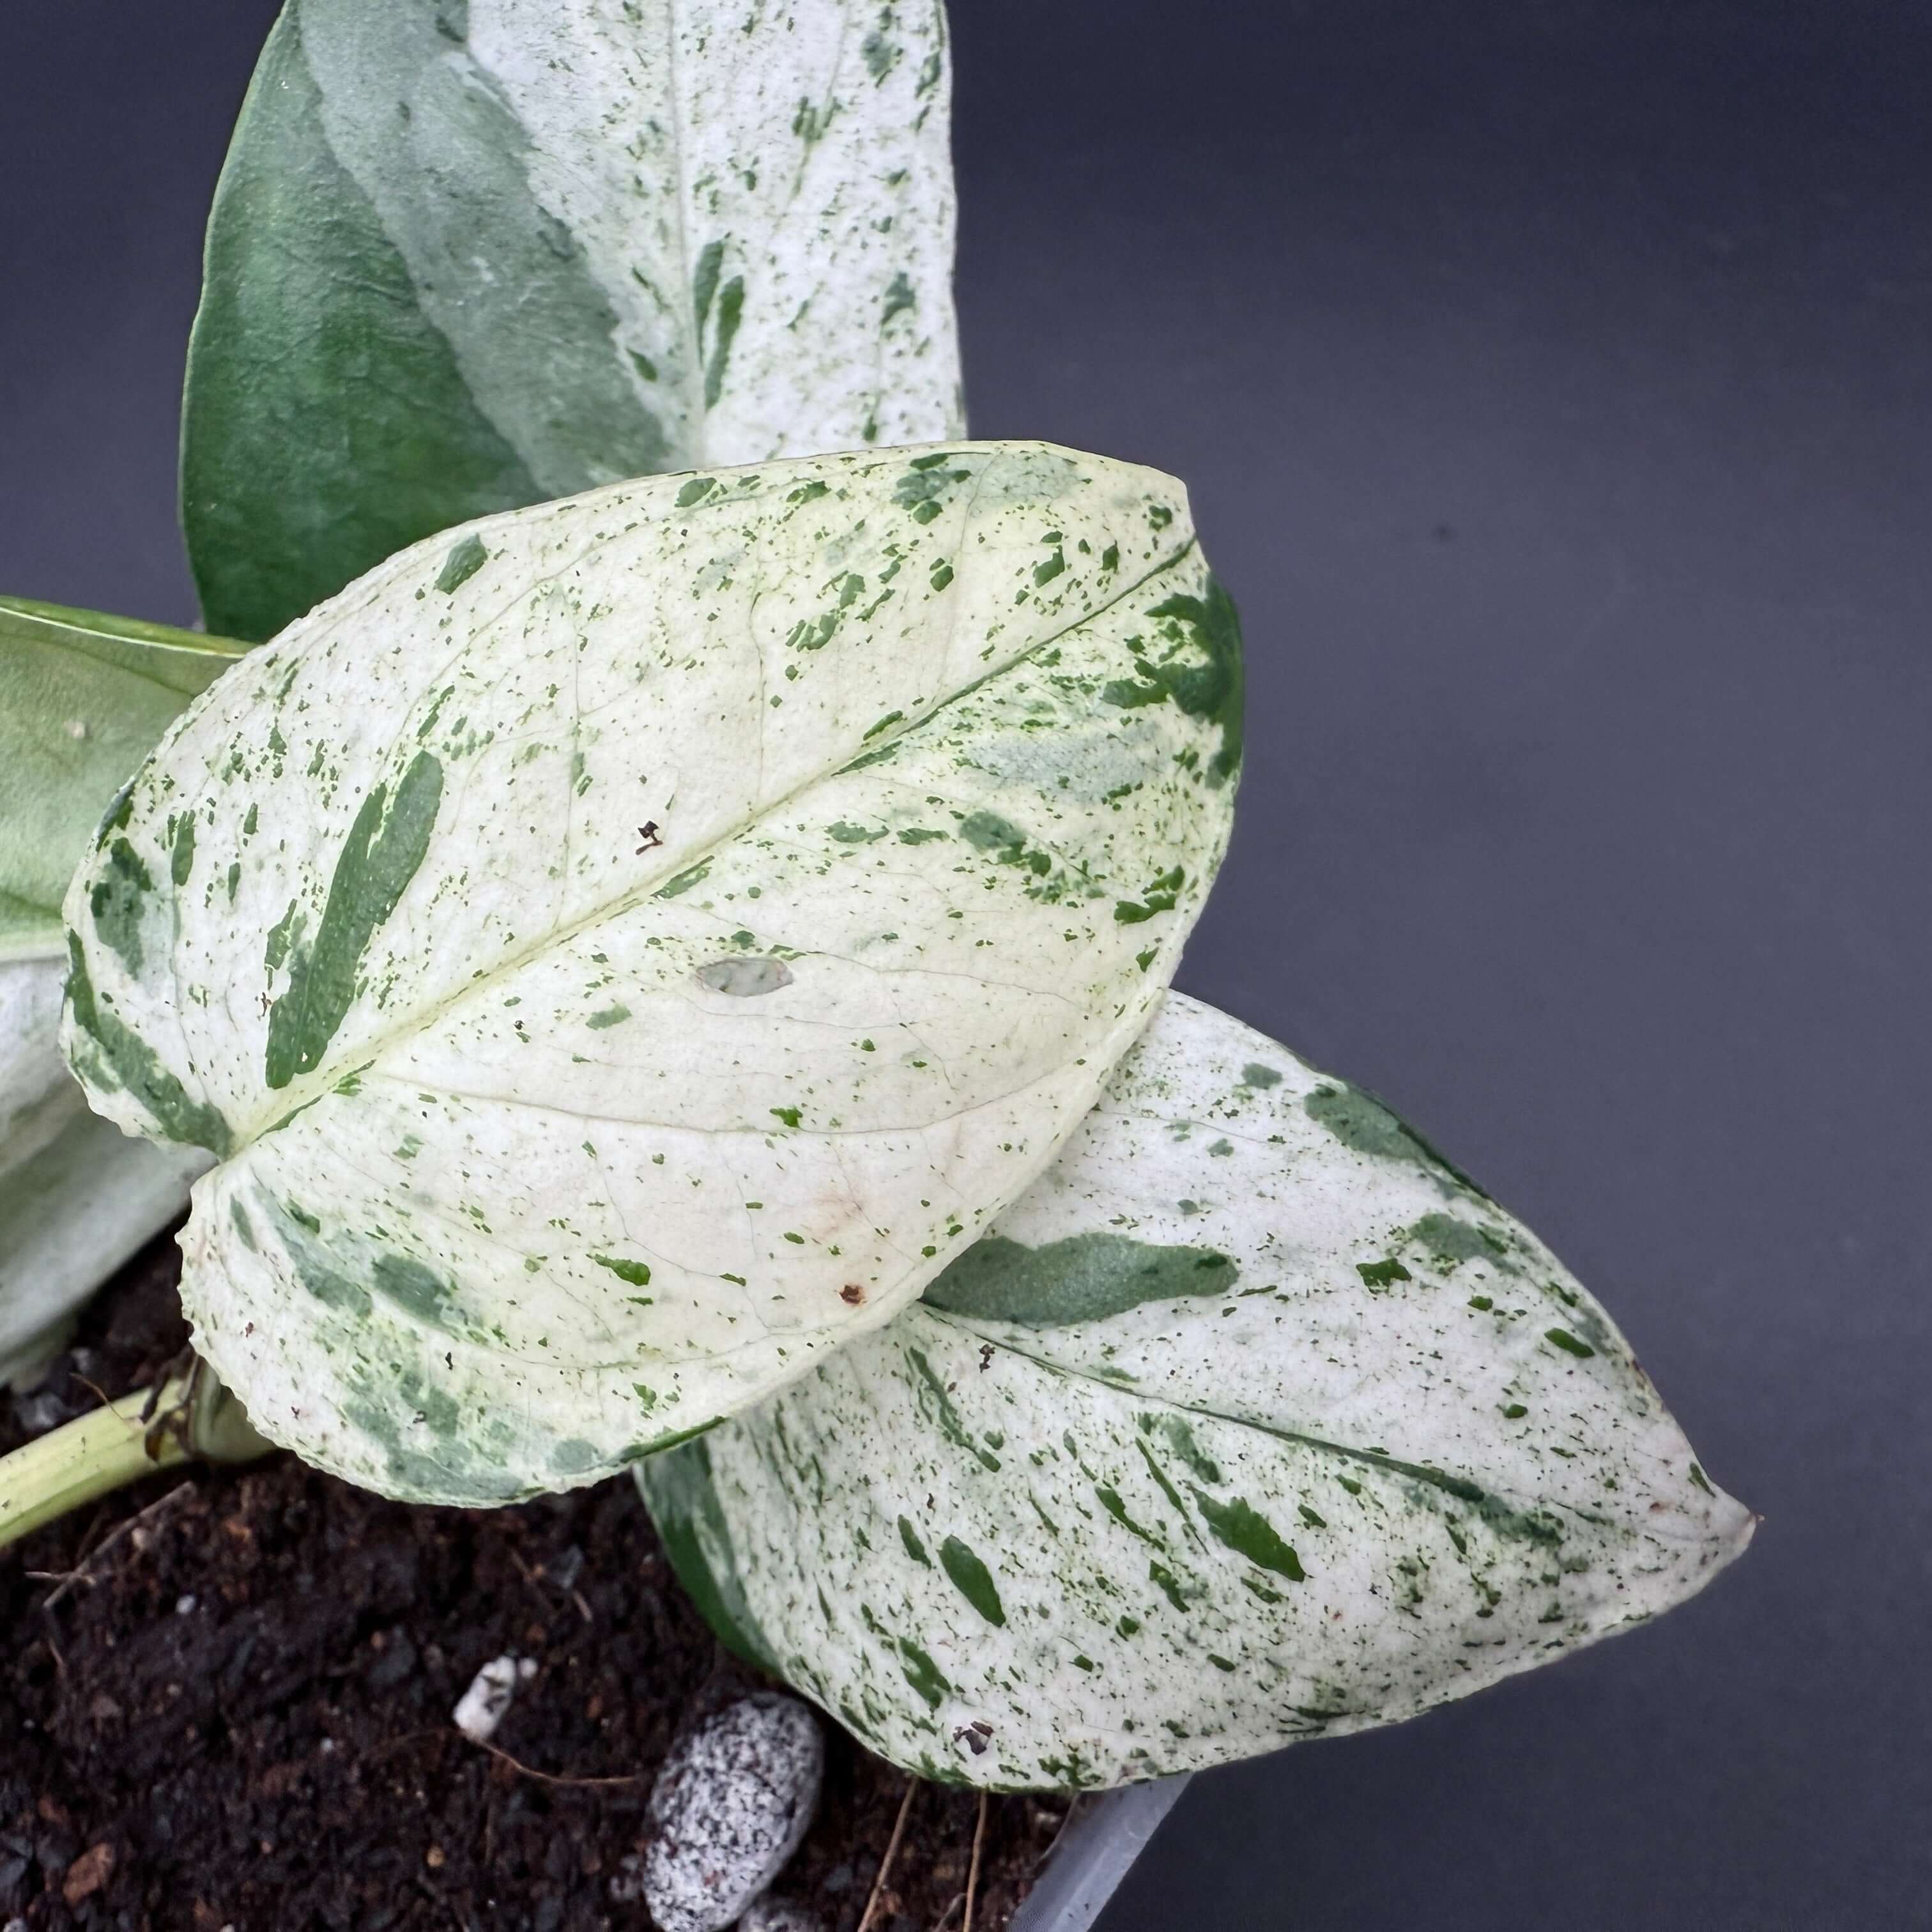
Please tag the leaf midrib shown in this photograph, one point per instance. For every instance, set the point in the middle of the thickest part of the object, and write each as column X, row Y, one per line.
column 298, row 1096
column 1384, row 1464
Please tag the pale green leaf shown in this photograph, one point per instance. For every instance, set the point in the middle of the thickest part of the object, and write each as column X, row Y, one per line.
column 83, row 698
column 77, row 1196
column 1251, row 1421
column 464, row 256
column 622, row 950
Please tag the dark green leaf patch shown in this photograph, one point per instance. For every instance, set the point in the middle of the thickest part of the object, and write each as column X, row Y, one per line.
column 379, row 857
column 465, row 559
column 691, row 1522
column 1361, row 1122
column 638, row 1273
column 117, row 1056
column 924, row 1676
column 1082, row 1278
column 1209, row 686
column 118, row 901
column 1248, row 1533
column 1159, row 897
column 973, row 1580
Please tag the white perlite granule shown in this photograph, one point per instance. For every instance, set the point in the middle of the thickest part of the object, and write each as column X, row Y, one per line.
column 730, row 1807
column 480, row 1709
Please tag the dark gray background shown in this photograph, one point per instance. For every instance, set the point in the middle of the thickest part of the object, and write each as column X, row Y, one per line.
column 1553, row 381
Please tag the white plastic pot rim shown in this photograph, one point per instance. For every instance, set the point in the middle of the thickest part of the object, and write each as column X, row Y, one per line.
column 1094, row 1854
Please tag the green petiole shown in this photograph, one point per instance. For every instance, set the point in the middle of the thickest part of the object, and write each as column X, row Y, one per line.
column 190, row 1418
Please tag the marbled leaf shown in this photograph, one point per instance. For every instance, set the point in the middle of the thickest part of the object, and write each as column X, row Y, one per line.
column 1251, row 1420
column 622, row 950
column 467, row 254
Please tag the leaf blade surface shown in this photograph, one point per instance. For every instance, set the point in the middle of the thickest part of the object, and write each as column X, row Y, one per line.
column 1248, row 1410
column 83, row 698
column 538, row 247
column 615, row 970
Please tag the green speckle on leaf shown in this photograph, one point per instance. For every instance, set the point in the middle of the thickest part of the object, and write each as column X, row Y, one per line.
column 946, row 1415
column 464, row 560
column 1568, row 1343
column 1245, row 1531
column 973, row 1580
column 704, row 280
column 416, row 1289
column 1164, row 1580
column 1114, row 1503
column 1451, row 1242
column 638, row 1273
column 730, row 309
column 180, row 854
column 1382, row 1273
column 692, row 875
column 607, row 1016
column 922, row 1673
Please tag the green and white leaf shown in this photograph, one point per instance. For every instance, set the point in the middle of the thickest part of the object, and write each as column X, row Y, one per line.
column 469, row 254
column 1252, row 1421
column 83, row 698
column 77, row 1195
column 623, row 950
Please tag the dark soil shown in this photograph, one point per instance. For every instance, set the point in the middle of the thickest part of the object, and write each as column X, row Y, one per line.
column 226, row 1702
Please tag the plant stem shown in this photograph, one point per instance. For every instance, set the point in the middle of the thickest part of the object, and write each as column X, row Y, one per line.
column 191, row 1416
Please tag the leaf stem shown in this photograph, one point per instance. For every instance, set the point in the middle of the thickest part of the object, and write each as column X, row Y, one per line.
column 189, row 1416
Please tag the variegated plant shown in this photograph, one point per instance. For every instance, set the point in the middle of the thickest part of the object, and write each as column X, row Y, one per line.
column 642, row 967
column 462, row 258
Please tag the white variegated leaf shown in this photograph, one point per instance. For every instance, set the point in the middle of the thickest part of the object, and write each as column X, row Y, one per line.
column 467, row 254
column 623, row 949
column 1252, row 1421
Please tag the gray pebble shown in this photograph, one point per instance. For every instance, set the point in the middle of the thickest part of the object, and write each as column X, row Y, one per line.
column 778, row 1914
column 732, row 1801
